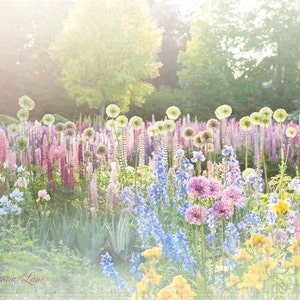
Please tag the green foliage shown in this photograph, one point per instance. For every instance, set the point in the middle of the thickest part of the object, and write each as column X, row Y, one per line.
column 110, row 60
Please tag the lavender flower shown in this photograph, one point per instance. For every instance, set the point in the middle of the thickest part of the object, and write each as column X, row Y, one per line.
column 222, row 210
column 197, row 156
column 227, row 150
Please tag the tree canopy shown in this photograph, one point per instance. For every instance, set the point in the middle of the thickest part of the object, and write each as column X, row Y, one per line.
column 108, row 51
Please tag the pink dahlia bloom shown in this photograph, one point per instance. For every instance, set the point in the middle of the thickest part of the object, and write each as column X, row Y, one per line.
column 222, row 210
column 233, row 195
column 214, row 187
column 197, row 187
column 195, row 214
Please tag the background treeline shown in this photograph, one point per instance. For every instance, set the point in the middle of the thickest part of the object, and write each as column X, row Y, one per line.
column 75, row 57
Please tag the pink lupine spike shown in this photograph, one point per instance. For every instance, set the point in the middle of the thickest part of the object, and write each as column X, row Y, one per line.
column 93, row 190
column 12, row 160
column 3, row 146
column 38, row 157
column 297, row 228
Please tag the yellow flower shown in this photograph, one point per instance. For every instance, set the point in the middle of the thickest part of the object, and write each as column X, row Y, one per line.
column 251, row 281
column 243, row 256
column 141, row 290
column 153, row 253
column 258, row 270
column 152, row 277
column 173, row 112
column 296, row 261
column 168, row 293
column 183, row 288
column 281, row 207
column 143, row 268
column 295, row 247
column 258, row 239
column 233, row 280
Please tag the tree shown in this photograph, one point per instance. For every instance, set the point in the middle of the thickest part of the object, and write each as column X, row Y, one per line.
column 108, row 50
column 26, row 30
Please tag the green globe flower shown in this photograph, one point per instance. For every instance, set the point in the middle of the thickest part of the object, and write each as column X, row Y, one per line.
column 101, row 150
column 112, row 110
column 224, row 111
column 173, row 112
column 290, row 132
column 122, row 121
column 22, row 142
column 136, row 122
column 152, row 130
column 280, row 115
column 206, row 136
column 265, row 121
column 26, row 103
column 160, row 126
column 13, row 129
column 169, row 125
column 48, row 119
column 69, row 133
column 255, row 118
column 110, row 125
column 245, row 123
column 23, row 114
column 266, row 112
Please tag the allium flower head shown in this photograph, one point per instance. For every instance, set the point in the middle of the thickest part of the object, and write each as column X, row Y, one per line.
column 101, row 150
column 197, row 141
column 122, row 121
column 280, row 115
column 70, row 124
column 188, row 133
column 59, row 127
column 215, row 188
column 169, row 125
column 22, row 142
column 23, row 114
column 223, row 112
column 255, row 118
column 152, row 130
column 233, row 195
column 222, row 210
column 112, row 110
column 280, row 236
column 13, row 129
column 110, row 125
column 69, row 133
column 195, row 214
column 136, row 122
column 265, row 121
column 26, row 103
column 245, row 123
column 48, row 119
column 160, row 126
column 210, row 147
column 206, row 136
column 266, row 112
column 173, row 112
column 89, row 133
column 197, row 187
column 212, row 124
column 290, row 132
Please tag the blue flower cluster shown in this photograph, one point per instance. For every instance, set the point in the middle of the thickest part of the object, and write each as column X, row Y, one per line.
column 109, row 270
column 10, row 204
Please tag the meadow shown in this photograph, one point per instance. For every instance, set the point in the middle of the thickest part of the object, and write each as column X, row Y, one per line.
column 159, row 209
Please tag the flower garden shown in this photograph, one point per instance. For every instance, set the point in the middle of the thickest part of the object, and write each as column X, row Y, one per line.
column 160, row 209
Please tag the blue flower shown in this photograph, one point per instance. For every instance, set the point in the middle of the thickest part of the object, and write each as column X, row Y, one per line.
column 197, row 156
column 17, row 195
column 109, row 270
column 4, row 200
column 227, row 150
